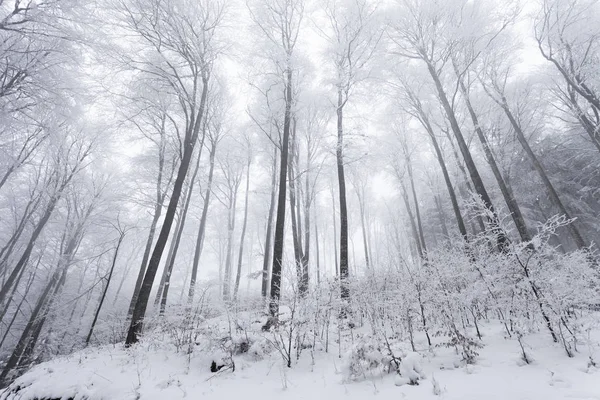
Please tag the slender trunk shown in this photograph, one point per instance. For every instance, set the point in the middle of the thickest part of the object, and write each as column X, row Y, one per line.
column 27, row 253
column 318, row 255
column 140, row 278
column 413, row 224
column 441, row 216
column 344, row 271
column 243, row 235
column 32, row 276
column 298, row 256
column 158, row 206
column 8, row 248
column 467, row 183
column 307, row 207
column 361, row 207
column 440, row 157
column 575, row 234
column 105, row 290
column 229, row 255
column 501, row 238
column 417, row 210
column 144, row 294
column 179, row 232
column 510, row 200
column 267, row 253
column 335, row 241
column 590, row 127
column 203, row 218
column 280, row 218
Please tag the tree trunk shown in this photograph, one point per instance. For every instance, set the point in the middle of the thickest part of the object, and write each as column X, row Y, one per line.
column 335, row 240
column 179, row 232
column 267, row 253
column 579, row 241
column 236, row 288
column 296, row 232
column 144, row 294
column 501, row 238
column 105, row 290
column 510, row 200
column 140, row 278
column 417, row 211
column 202, row 226
column 344, row 272
column 229, row 255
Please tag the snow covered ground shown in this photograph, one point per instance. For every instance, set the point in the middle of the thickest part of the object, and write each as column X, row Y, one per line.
column 153, row 371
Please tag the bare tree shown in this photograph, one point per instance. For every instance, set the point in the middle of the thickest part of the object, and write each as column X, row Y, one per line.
column 353, row 36
column 184, row 44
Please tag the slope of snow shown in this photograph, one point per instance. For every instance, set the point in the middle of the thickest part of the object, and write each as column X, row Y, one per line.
column 150, row 371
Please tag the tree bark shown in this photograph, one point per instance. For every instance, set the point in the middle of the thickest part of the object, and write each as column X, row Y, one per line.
column 510, row 200
column 243, row 235
column 179, row 233
column 501, row 238
column 280, row 218
column 575, row 234
column 267, row 253
column 344, row 269
column 105, row 290
column 139, row 311
column 202, row 226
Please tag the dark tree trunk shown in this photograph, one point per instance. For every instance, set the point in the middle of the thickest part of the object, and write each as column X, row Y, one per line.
column 296, row 230
column 501, row 238
column 424, row 119
column 280, row 218
column 144, row 294
column 179, row 232
column 344, row 269
column 202, row 226
column 441, row 216
column 510, row 200
column 267, row 256
column 236, row 288
column 105, row 290
column 335, row 241
column 233, row 192
column 417, row 210
column 575, row 234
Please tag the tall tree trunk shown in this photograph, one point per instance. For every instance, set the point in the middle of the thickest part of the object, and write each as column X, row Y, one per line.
column 413, row 224
column 7, row 249
column 229, row 255
column 344, row 270
column 105, row 290
column 318, row 255
column 335, row 241
column 575, row 234
column 139, row 311
column 30, row 245
column 267, row 253
column 361, row 207
column 203, row 218
column 501, row 238
column 280, row 218
column 466, row 181
column 296, row 233
column 417, row 210
column 140, row 278
column 441, row 216
column 236, row 288
column 424, row 119
column 158, row 206
column 179, row 232
column 510, row 200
